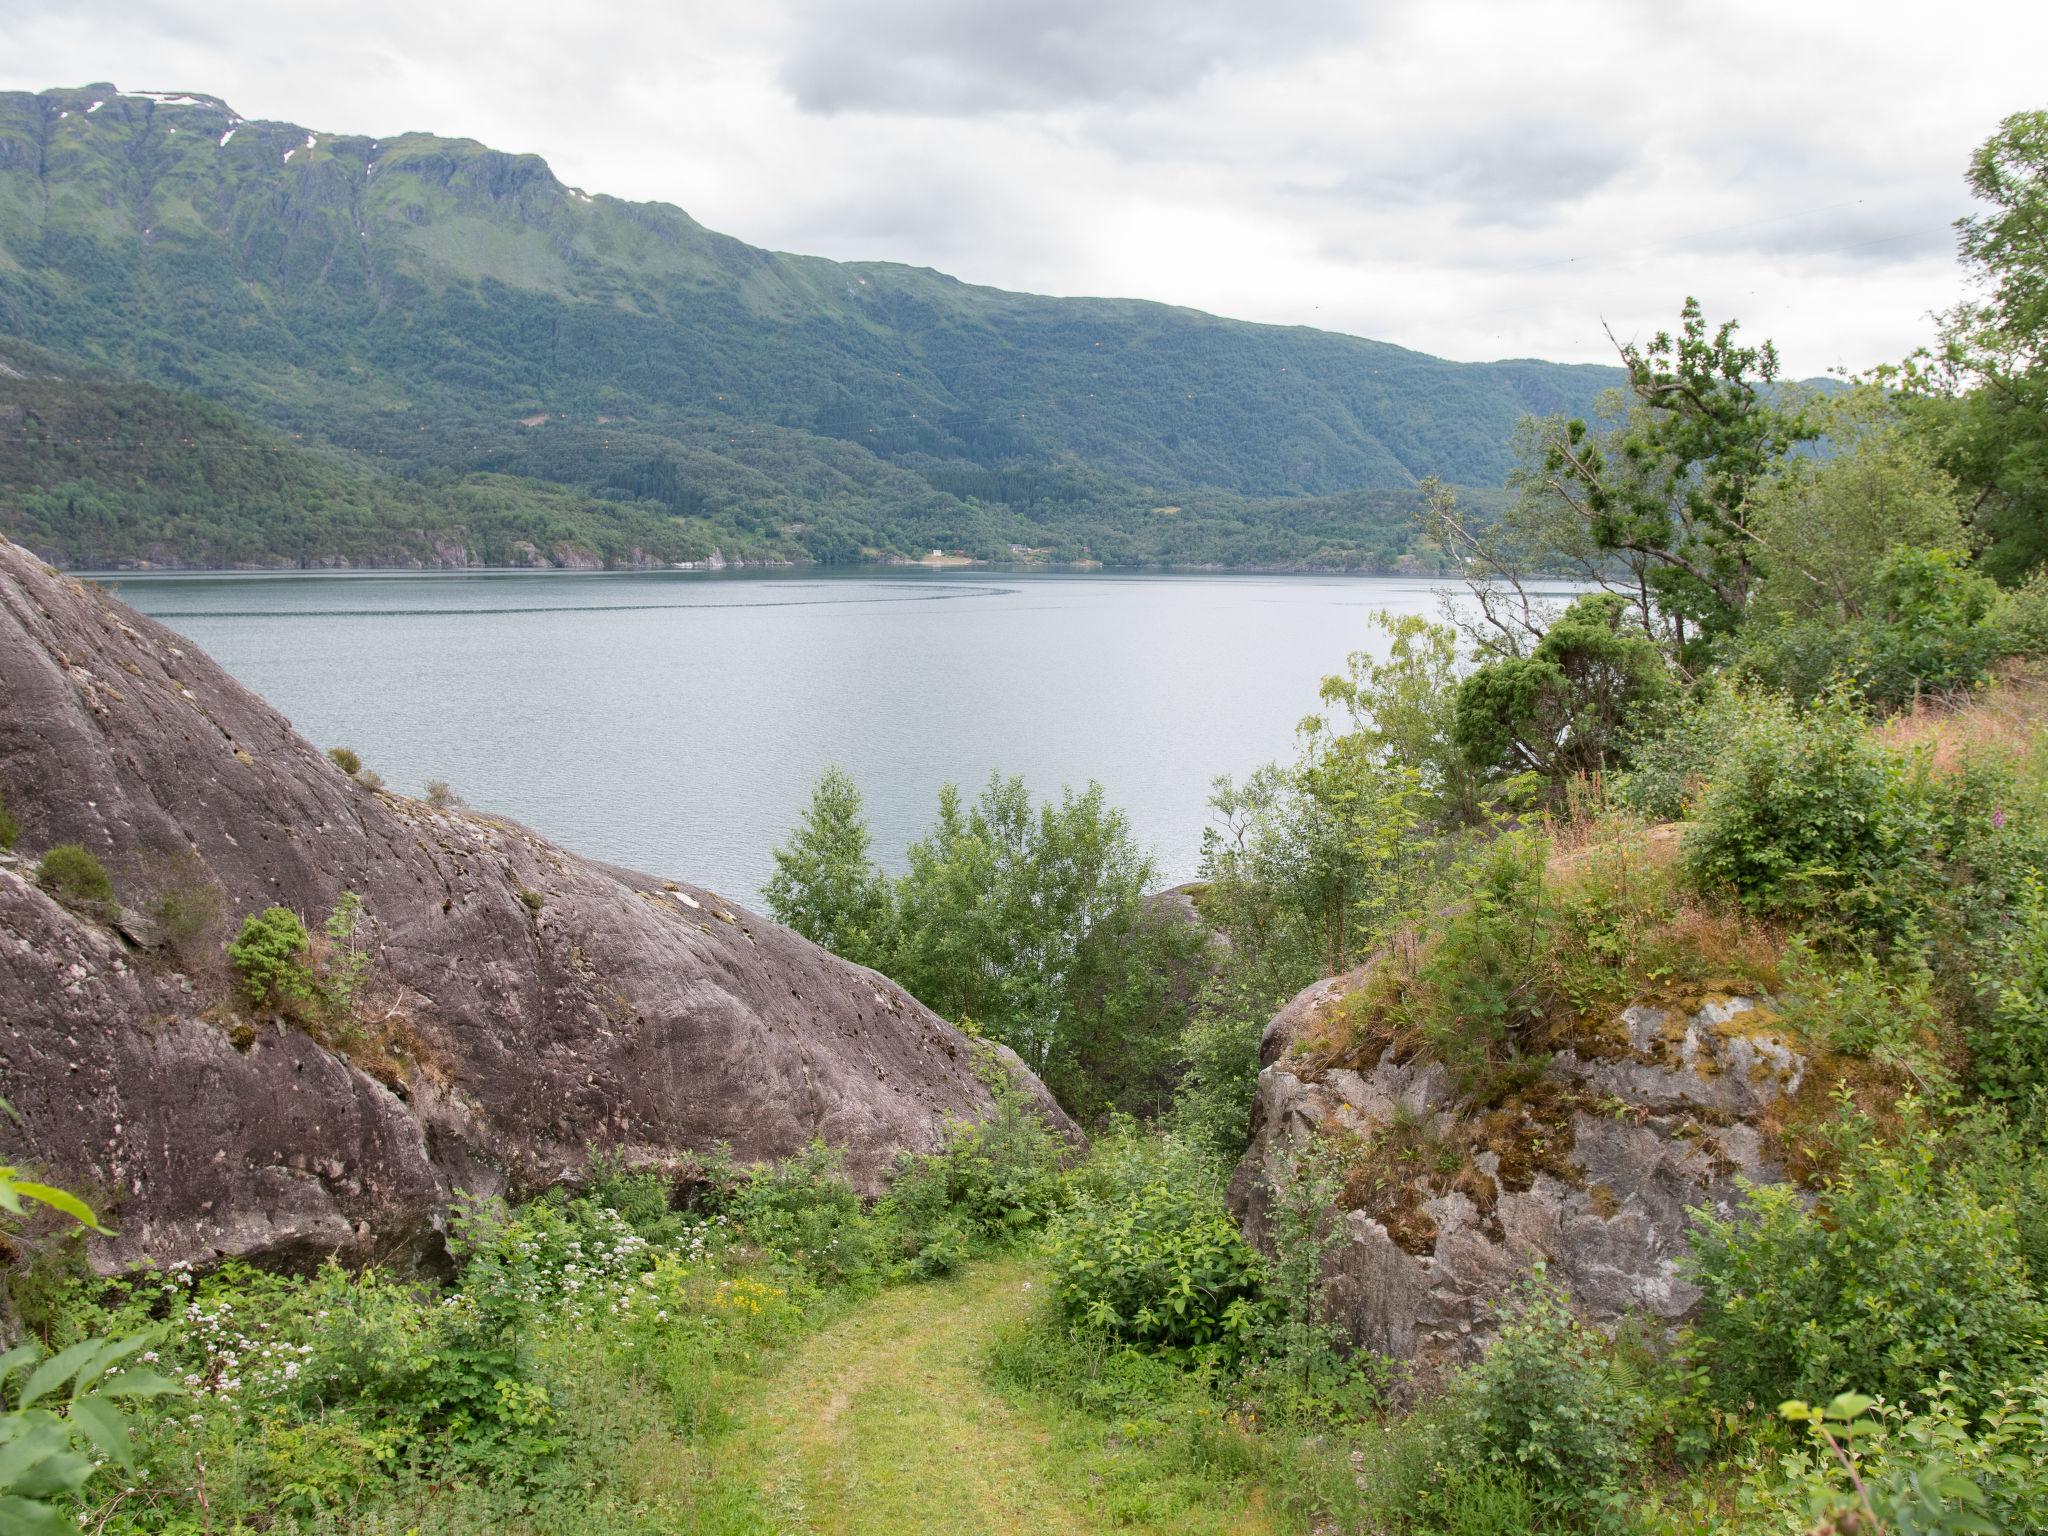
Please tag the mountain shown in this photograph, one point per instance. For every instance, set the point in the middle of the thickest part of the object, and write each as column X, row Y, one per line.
column 433, row 307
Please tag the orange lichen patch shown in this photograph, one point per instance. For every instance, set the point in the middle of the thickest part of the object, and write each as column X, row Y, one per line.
column 1530, row 1131
column 1793, row 1127
column 1390, row 1174
column 2005, row 720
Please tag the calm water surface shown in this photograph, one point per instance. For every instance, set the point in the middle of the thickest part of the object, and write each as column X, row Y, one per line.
column 674, row 722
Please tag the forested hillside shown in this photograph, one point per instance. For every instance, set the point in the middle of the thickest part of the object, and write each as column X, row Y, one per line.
column 440, row 307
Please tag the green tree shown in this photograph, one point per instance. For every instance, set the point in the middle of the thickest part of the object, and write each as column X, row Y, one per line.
column 825, row 885
column 1982, row 395
column 1824, row 523
column 1561, row 710
column 1003, row 903
column 1402, row 709
column 1667, row 490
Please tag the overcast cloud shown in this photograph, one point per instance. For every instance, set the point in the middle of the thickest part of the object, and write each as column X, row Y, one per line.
column 1473, row 179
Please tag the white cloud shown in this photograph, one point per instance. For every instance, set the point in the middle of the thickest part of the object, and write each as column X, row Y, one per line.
column 1471, row 178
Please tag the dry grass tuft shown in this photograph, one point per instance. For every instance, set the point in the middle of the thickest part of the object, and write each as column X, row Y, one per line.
column 2007, row 721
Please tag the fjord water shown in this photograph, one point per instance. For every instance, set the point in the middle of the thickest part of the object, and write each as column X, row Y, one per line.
column 674, row 721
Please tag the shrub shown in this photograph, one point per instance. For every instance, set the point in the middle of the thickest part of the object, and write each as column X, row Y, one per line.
column 1903, row 1274
column 995, row 1178
column 1546, row 1402
column 346, row 760
column 805, row 1213
column 1672, row 750
column 187, row 904
column 270, row 955
column 1924, row 631
column 441, row 797
column 1562, row 709
column 10, row 829
column 2009, row 1043
column 72, row 875
column 1937, row 1472
column 1147, row 1255
column 1806, row 816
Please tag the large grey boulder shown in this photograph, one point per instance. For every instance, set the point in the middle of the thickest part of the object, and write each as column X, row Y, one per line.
column 522, row 1005
column 1593, row 1169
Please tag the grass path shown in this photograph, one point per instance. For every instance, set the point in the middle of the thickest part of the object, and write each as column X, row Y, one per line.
column 883, row 1423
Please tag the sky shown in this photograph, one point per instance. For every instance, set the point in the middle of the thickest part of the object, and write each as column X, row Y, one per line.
column 1513, row 178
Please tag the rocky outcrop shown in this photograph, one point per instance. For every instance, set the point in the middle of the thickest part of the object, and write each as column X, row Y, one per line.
column 1592, row 1167
column 521, row 1005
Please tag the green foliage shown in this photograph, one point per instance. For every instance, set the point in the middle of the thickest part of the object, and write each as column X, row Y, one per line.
column 10, row 829
column 1932, row 1473
column 805, row 1210
column 1147, row 1255
column 348, row 954
column 1668, row 490
column 1402, row 710
column 825, row 884
column 1804, row 815
column 1982, row 398
column 994, row 1180
column 1673, row 747
column 346, row 760
column 1561, row 710
column 2009, row 1044
column 442, row 797
column 270, row 954
column 1315, row 863
column 1547, row 1403
column 64, row 1416
column 1863, row 1005
column 76, row 877
column 1303, row 1375
column 1034, row 922
column 1904, row 1277
column 1925, row 629
column 1019, row 918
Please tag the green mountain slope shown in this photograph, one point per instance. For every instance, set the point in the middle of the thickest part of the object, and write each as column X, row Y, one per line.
column 101, row 471
column 448, row 308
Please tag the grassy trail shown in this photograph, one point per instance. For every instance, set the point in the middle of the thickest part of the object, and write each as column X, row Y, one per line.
column 883, row 1423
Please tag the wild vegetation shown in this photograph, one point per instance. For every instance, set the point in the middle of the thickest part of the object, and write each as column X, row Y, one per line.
column 1795, row 745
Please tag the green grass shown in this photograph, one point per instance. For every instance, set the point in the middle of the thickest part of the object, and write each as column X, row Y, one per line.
column 887, row 1421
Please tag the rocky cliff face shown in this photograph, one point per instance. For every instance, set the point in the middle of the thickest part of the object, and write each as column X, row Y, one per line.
column 521, row 1005
column 1591, row 1167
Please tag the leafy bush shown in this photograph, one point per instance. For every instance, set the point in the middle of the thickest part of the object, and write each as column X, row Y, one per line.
column 346, row 760
column 186, row 905
column 10, row 829
column 1925, row 631
column 1147, row 1255
column 1938, row 1472
column 1563, row 708
column 995, row 1179
column 78, row 1396
column 804, row 1212
column 825, row 885
column 1806, row 816
column 1672, row 749
column 2009, row 1045
column 271, row 956
column 442, row 797
column 1546, row 1402
column 72, row 875
column 1902, row 1276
